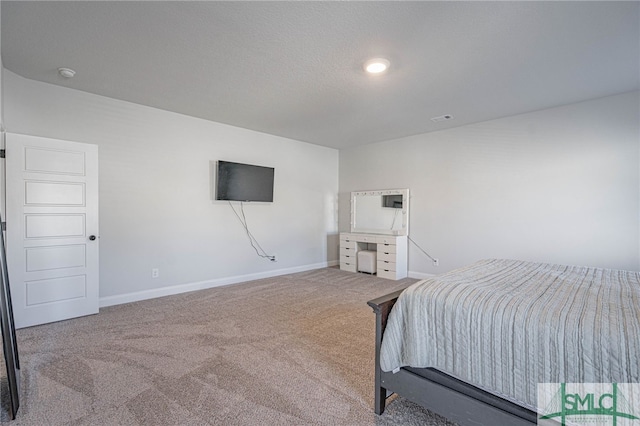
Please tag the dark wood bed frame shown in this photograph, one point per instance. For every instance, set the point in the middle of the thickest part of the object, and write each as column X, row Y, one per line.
column 436, row 391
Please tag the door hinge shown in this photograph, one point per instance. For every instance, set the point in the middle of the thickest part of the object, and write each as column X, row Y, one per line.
column 3, row 153
column 3, row 226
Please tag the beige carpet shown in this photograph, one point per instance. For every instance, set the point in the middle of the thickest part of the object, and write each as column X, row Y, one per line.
column 291, row 350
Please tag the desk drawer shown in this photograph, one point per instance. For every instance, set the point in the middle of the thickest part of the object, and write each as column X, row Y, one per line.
column 346, row 249
column 386, row 265
column 348, row 266
column 347, row 259
column 348, row 243
column 387, row 248
column 387, row 240
column 359, row 238
column 390, row 275
column 346, row 237
column 385, row 256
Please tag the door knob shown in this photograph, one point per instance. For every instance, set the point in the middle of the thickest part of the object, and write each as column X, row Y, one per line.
column 92, row 237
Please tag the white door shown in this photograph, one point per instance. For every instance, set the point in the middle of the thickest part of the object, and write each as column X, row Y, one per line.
column 52, row 228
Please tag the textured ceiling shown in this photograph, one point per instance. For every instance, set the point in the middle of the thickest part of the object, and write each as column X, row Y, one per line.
column 294, row 69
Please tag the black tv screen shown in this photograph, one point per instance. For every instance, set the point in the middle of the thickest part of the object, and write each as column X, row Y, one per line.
column 392, row 201
column 244, row 182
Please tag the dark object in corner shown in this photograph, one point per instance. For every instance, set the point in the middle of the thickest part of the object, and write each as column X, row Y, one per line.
column 9, row 342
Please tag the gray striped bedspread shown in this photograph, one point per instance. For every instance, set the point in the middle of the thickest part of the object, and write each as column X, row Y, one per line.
column 506, row 325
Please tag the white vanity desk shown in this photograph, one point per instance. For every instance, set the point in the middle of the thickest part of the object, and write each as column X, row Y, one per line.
column 391, row 253
column 379, row 225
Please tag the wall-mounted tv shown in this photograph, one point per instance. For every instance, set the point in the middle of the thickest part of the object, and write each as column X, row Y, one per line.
column 244, row 182
column 392, row 201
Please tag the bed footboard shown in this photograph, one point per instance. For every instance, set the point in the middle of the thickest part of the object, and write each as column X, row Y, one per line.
column 381, row 307
column 437, row 391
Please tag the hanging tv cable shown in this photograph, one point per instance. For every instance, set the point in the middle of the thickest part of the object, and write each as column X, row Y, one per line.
column 395, row 216
column 252, row 240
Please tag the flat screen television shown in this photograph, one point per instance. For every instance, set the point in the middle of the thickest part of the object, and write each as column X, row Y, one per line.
column 244, row 182
column 392, row 201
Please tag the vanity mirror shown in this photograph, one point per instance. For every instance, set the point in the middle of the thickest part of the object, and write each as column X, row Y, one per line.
column 380, row 212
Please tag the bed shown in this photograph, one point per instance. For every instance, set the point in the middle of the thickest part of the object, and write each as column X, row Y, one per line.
column 472, row 344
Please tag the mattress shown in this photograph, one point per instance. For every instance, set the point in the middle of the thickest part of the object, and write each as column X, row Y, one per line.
column 506, row 325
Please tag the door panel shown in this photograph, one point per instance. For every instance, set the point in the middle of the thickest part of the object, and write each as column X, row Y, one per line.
column 54, row 226
column 52, row 210
column 56, row 257
column 54, row 193
column 56, row 290
column 44, row 160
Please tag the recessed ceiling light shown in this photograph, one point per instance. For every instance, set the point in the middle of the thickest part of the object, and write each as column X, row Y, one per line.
column 376, row 65
column 66, row 72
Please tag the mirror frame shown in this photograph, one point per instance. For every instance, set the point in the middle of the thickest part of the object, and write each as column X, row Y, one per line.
column 405, row 212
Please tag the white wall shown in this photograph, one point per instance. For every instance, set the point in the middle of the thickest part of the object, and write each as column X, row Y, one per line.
column 2, row 188
column 1, row 87
column 155, row 207
column 560, row 185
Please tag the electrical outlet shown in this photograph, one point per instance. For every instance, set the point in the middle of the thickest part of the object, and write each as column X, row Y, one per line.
column 436, row 262
column 155, row 273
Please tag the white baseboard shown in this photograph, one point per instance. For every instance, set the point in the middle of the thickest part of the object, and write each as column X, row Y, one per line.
column 420, row 275
column 201, row 285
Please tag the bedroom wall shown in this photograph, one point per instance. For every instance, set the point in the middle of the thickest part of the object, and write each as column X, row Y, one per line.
column 2, row 198
column 1, row 84
column 560, row 185
column 155, row 206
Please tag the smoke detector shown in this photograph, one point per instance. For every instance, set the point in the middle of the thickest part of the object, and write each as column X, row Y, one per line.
column 66, row 72
column 442, row 118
